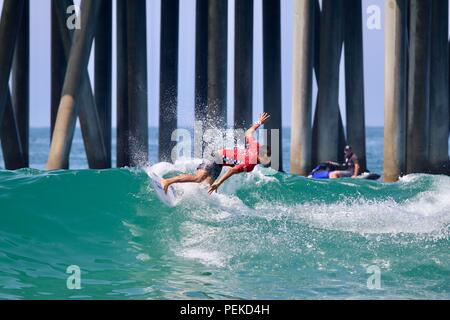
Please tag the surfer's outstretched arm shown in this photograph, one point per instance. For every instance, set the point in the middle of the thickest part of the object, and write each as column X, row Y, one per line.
column 221, row 180
column 262, row 119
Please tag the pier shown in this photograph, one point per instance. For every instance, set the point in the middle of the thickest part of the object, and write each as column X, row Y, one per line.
column 416, row 84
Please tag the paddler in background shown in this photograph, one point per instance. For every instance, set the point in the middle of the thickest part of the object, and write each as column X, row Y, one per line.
column 350, row 168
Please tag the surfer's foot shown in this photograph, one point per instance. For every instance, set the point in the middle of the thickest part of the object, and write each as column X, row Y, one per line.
column 165, row 184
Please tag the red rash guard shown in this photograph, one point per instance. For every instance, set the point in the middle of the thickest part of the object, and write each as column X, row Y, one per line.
column 244, row 160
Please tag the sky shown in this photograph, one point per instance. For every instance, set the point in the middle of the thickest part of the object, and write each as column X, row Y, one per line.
column 40, row 63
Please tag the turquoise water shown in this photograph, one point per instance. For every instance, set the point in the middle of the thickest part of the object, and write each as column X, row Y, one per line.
column 266, row 235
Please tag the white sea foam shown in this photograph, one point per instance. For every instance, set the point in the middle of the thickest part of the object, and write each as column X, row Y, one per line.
column 209, row 237
column 428, row 212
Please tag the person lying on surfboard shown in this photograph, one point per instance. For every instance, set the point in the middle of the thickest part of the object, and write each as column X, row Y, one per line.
column 238, row 159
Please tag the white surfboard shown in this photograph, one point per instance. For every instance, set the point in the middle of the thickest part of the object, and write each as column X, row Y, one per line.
column 168, row 198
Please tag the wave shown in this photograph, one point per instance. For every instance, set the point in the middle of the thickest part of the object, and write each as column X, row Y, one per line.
column 282, row 226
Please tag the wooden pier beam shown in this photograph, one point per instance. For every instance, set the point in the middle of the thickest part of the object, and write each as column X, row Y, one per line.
column 168, row 94
column 354, row 79
column 396, row 28
column 418, row 87
column 243, row 65
column 301, row 126
column 439, row 88
column 217, row 63
column 328, row 97
column 21, row 82
column 76, row 68
column 272, row 75
column 103, row 73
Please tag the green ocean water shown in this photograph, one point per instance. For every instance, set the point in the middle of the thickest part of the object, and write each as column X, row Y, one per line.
column 266, row 235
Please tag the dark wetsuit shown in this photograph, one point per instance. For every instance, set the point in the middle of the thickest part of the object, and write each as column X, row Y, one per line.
column 349, row 166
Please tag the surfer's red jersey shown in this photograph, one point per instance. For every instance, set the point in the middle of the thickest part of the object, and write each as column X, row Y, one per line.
column 243, row 160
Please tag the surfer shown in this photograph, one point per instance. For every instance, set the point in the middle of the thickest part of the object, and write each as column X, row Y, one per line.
column 350, row 168
column 238, row 159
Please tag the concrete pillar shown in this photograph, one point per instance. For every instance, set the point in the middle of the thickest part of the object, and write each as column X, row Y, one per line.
column 315, row 137
column 9, row 29
column 301, row 126
column 201, row 58
column 168, row 92
column 137, row 81
column 272, row 73
column 132, row 113
column 217, row 63
column 122, row 150
column 103, row 73
column 243, row 64
column 418, row 87
column 328, row 96
column 395, row 89
column 317, row 21
column 439, row 90
column 76, row 68
column 58, row 67
column 21, row 82
column 354, row 79
column 10, row 138
column 87, row 110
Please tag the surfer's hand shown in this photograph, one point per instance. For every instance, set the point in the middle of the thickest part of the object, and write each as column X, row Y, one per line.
column 165, row 185
column 263, row 118
column 213, row 188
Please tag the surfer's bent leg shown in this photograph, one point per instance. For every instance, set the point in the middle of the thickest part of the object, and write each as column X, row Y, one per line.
column 199, row 177
column 340, row 174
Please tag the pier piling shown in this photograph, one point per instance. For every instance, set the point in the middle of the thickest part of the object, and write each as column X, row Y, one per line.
column 10, row 24
column 395, row 89
column 243, row 64
column 354, row 79
column 168, row 89
column 76, row 69
column 9, row 29
column 84, row 103
column 418, row 86
column 439, row 90
column 201, row 55
column 272, row 75
column 137, row 81
column 58, row 66
column 328, row 96
column 301, row 126
column 21, row 82
column 103, row 74
column 10, row 138
column 132, row 112
column 217, row 63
